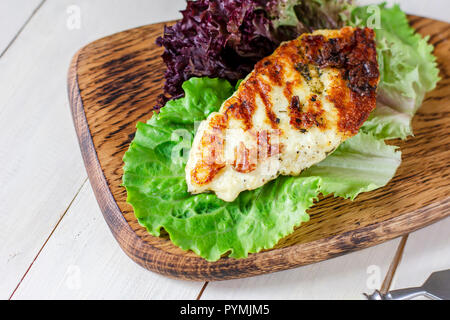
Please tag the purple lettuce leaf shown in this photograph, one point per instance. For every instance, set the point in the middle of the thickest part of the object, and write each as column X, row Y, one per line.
column 225, row 38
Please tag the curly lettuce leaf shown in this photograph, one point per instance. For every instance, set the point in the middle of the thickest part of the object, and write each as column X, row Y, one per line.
column 360, row 164
column 291, row 18
column 408, row 70
column 257, row 219
column 307, row 16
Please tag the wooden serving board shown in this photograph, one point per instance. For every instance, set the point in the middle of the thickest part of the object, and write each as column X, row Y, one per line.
column 114, row 82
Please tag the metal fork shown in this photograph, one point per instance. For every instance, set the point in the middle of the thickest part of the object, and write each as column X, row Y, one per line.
column 436, row 287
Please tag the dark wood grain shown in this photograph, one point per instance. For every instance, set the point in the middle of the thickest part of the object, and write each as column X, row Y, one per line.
column 114, row 82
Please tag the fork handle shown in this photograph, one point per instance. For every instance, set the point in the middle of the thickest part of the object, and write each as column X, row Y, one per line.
column 400, row 294
column 405, row 294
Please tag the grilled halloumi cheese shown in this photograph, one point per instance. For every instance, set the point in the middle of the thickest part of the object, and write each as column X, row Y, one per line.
column 290, row 112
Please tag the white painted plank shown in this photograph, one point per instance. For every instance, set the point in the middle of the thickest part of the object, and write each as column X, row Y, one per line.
column 427, row 250
column 83, row 261
column 434, row 9
column 345, row 277
column 41, row 163
column 13, row 16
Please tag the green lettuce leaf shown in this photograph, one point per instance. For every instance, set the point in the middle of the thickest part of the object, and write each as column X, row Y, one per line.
column 360, row 164
column 408, row 70
column 307, row 16
column 257, row 219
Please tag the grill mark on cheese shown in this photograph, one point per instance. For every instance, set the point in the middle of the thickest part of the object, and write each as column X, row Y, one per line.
column 242, row 111
column 244, row 159
column 289, row 89
column 272, row 69
column 219, row 121
column 266, row 148
column 213, row 146
column 243, row 107
column 203, row 173
column 354, row 54
column 303, row 120
column 212, row 143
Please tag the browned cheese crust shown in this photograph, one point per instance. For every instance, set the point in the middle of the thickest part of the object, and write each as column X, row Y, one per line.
column 352, row 51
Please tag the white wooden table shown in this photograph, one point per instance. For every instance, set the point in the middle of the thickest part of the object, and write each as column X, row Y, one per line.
column 53, row 240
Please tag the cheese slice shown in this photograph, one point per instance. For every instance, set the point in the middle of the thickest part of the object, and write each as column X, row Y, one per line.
column 290, row 112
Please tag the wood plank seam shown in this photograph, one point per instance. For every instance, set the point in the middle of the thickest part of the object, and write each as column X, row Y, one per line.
column 22, row 28
column 48, row 238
